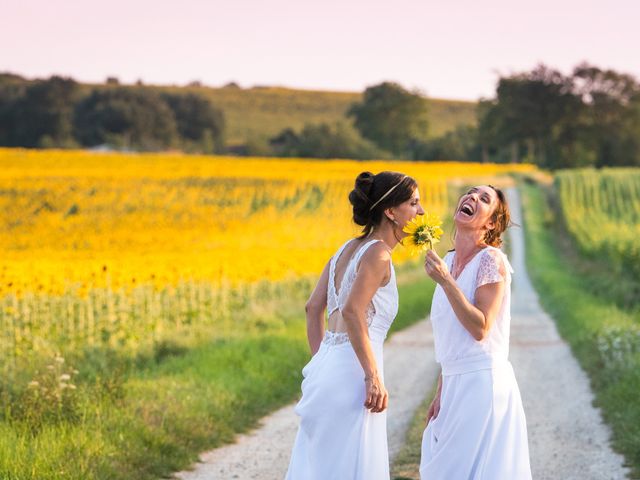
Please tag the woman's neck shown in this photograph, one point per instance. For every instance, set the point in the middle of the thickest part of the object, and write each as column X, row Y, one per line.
column 385, row 233
column 468, row 243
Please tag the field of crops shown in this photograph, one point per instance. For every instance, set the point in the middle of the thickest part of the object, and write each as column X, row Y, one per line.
column 601, row 209
column 124, row 251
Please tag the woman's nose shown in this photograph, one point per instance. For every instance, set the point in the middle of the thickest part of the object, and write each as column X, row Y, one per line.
column 420, row 210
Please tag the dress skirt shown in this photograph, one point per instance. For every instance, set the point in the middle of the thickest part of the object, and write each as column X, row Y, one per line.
column 338, row 438
column 480, row 432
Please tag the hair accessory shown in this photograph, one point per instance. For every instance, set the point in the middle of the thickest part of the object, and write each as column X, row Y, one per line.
column 387, row 194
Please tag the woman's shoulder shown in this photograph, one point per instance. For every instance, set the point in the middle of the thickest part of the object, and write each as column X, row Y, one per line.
column 494, row 252
column 376, row 251
column 494, row 258
column 344, row 247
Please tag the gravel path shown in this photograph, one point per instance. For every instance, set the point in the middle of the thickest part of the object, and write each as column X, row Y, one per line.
column 567, row 438
column 264, row 453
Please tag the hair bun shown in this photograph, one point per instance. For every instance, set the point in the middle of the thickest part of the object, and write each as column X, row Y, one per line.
column 360, row 198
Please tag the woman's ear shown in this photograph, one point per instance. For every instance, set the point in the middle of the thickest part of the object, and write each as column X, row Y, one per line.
column 491, row 224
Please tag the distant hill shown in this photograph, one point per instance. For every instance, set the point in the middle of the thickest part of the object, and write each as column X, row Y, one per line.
column 262, row 112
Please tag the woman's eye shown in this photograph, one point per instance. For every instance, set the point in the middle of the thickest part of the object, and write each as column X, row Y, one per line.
column 485, row 199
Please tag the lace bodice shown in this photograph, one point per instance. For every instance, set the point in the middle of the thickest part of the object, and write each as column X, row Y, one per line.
column 383, row 307
column 452, row 340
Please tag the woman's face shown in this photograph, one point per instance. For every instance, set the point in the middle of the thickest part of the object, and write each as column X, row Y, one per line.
column 475, row 208
column 408, row 210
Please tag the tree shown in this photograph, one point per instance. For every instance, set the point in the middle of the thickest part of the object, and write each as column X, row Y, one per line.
column 591, row 117
column 612, row 129
column 197, row 120
column 12, row 88
column 460, row 144
column 325, row 141
column 43, row 115
column 125, row 117
column 391, row 117
column 534, row 114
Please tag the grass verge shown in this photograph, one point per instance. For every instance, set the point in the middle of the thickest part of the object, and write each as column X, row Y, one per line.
column 155, row 419
column 604, row 337
column 406, row 465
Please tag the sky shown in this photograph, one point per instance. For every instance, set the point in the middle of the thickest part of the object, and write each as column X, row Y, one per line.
column 454, row 49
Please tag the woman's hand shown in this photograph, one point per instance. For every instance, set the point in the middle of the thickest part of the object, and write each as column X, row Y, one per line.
column 435, row 267
column 376, row 396
column 434, row 408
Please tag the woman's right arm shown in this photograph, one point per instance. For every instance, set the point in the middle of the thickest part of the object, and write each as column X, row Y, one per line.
column 315, row 308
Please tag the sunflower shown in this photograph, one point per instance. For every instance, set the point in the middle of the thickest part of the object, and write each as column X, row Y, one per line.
column 424, row 231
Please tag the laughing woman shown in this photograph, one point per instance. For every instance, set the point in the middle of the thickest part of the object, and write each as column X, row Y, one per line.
column 476, row 424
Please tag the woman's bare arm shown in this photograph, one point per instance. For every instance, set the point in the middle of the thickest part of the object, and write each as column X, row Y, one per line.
column 315, row 308
column 476, row 319
column 373, row 272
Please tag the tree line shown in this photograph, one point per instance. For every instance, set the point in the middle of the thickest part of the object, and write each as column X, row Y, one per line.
column 590, row 117
column 59, row 112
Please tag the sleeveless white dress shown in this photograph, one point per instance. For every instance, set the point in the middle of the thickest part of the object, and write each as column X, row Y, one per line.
column 480, row 432
column 338, row 438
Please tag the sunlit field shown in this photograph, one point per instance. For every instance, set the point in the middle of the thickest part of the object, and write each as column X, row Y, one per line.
column 123, row 250
column 601, row 209
column 583, row 259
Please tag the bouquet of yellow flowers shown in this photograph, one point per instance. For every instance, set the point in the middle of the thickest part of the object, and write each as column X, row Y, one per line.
column 424, row 231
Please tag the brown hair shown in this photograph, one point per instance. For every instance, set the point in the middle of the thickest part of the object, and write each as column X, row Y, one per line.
column 368, row 192
column 501, row 218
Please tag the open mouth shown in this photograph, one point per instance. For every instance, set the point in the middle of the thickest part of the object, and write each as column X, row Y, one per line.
column 467, row 209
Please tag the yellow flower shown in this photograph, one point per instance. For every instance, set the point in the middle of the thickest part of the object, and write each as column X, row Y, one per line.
column 424, row 231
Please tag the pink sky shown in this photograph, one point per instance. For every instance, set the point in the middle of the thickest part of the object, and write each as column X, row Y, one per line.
column 447, row 49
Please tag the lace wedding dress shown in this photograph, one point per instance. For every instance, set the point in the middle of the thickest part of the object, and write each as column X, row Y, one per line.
column 338, row 438
column 480, row 432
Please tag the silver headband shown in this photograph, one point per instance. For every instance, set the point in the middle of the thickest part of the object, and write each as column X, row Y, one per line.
column 387, row 194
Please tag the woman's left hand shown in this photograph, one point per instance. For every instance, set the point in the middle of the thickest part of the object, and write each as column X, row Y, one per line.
column 435, row 267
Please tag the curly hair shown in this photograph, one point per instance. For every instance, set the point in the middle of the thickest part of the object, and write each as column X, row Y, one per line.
column 501, row 218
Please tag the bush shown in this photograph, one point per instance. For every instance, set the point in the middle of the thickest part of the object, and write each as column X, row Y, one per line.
column 325, row 141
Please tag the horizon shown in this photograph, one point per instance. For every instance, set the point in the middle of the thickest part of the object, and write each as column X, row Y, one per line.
column 204, row 85
column 453, row 51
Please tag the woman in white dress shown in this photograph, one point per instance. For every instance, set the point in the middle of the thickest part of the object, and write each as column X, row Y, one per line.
column 343, row 429
column 476, row 426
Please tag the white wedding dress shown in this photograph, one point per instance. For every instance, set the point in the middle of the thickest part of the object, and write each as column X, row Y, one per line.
column 338, row 438
column 480, row 432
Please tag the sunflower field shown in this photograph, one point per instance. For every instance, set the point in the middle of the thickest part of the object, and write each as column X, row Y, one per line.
column 124, row 250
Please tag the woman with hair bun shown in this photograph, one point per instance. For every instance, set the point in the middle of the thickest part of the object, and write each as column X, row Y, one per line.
column 343, row 425
column 476, row 427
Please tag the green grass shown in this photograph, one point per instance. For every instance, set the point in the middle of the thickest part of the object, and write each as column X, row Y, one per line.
column 154, row 419
column 604, row 337
column 406, row 465
column 164, row 416
column 261, row 113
